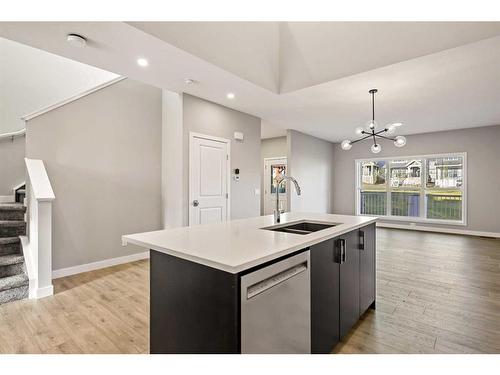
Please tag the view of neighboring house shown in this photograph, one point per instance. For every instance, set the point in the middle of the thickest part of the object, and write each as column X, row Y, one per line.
column 445, row 173
column 373, row 173
column 404, row 173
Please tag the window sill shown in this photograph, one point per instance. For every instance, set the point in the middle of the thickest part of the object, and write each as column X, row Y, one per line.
column 408, row 219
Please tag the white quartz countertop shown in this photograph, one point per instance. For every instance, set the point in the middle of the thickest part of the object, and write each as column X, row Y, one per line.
column 237, row 245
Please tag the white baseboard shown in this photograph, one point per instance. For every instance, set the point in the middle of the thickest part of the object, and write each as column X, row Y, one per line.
column 43, row 292
column 98, row 265
column 7, row 199
column 439, row 230
column 33, row 291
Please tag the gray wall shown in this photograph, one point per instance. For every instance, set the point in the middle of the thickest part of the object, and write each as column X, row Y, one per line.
column 310, row 161
column 103, row 157
column 483, row 178
column 12, row 170
column 32, row 79
column 208, row 118
column 270, row 148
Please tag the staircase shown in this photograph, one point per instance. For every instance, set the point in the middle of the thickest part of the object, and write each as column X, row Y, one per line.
column 13, row 277
column 20, row 193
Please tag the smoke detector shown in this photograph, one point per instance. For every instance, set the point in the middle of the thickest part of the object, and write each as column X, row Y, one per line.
column 76, row 40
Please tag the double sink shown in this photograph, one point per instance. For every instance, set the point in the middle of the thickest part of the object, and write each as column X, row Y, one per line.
column 301, row 227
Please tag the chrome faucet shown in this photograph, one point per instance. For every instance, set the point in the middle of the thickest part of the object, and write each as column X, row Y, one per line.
column 279, row 181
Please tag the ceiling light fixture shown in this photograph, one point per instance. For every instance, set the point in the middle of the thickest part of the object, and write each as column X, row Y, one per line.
column 230, row 95
column 142, row 62
column 76, row 40
column 371, row 132
column 189, row 81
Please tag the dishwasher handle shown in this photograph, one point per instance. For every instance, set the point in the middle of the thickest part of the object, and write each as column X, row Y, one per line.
column 274, row 280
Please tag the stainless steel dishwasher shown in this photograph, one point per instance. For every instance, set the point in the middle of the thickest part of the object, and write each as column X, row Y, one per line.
column 276, row 307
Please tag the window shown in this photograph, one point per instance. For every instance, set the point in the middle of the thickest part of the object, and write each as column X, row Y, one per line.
column 417, row 188
column 373, row 188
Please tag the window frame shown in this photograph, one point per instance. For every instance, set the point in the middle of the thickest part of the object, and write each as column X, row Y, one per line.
column 423, row 189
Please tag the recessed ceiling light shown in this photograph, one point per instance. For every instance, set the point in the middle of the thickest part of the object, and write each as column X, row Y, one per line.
column 142, row 62
column 230, row 95
column 76, row 40
column 189, row 81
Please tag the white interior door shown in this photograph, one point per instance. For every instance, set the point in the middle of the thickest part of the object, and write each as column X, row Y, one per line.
column 273, row 167
column 208, row 179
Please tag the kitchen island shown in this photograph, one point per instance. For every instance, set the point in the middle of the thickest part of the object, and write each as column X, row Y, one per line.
column 251, row 286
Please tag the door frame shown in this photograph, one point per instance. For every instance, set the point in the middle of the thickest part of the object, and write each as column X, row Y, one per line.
column 265, row 160
column 192, row 136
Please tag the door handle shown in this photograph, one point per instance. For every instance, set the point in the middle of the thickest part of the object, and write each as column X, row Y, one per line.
column 196, row 203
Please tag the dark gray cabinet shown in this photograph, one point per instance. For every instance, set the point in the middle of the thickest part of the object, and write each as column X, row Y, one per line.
column 324, row 297
column 348, row 245
column 342, row 285
column 367, row 286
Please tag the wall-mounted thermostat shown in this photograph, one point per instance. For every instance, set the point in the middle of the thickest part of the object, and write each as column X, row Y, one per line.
column 238, row 136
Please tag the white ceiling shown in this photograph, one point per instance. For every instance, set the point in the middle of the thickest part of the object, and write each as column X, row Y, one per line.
column 312, row 77
column 248, row 49
column 31, row 80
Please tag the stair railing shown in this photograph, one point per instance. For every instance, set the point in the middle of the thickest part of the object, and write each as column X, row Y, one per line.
column 39, row 196
column 12, row 135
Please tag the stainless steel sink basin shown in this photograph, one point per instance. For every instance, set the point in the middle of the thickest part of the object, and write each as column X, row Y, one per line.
column 301, row 227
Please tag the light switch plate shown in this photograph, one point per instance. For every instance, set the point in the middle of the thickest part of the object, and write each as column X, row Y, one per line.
column 238, row 136
column 257, row 191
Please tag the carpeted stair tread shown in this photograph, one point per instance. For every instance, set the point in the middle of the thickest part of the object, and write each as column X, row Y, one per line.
column 15, row 281
column 12, row 228
column 12, row 211
column 14, row 294
column 9, row 240
column 7, row 260
column 10, row 245
column 12, row 223
column 12, row 207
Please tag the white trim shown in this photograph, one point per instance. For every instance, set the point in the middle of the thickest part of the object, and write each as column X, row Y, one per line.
column 43, row 292
column 276, row 158
column 209, row 137
column 192, row 136
column 448, row 154
column 30, row 267
column 63, row 272
column 7, row 199
column 39, row 181
column 439, row 230
column 18, row 186
column 12, row 135
column 33, row 291
column 415, row 219
column 72, row 99
column 421, row 219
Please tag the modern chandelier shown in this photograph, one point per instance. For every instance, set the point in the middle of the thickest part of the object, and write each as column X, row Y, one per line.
column 371, row 132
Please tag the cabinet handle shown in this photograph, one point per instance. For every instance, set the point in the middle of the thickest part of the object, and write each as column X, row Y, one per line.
column 337, row 251
column 361, row 240
column 342, row 253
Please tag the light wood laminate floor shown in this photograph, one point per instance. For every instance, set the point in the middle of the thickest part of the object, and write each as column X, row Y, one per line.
column 436, row 293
